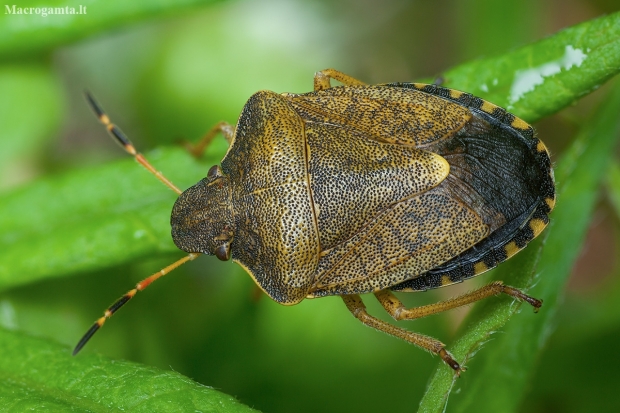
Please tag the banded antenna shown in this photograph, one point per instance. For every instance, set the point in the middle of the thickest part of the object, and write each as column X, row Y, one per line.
column 120, row 137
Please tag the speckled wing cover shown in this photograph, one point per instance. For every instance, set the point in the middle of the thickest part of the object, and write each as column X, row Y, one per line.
column 356, row 189
column 388, row 215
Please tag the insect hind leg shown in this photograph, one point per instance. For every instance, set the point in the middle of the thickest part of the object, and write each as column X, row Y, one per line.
column 358, row 309
column 399, row 312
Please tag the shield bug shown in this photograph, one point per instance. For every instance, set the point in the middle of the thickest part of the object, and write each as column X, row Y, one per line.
column 364, row 189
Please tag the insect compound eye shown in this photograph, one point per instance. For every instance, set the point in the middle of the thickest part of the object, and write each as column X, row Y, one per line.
column 214, row 172
column 223, row 252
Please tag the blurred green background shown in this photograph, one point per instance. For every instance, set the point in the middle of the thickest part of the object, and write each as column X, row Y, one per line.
column 173, row 75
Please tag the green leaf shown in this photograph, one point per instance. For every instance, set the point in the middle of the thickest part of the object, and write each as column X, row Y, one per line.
column 91, row 219
column 28, row 92
column 508, row 362
column 111, row 215
column 31, row 111
column 29, row 27
column 37, row 375
column 539, row 79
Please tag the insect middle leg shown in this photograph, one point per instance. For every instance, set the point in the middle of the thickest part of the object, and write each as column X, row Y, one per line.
column 398, row 311
column 197, row 149
column 322, row 79
column 358, row 309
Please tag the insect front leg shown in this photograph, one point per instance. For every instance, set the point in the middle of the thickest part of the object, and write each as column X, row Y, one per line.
column 322, row 79
column 399, row 312
column 197, row 149
column 358, row 309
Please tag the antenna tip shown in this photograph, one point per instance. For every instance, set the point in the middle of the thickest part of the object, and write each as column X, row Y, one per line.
column 92, row 330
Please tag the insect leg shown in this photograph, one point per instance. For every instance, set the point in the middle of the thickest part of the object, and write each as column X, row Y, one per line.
column 120, row 137
column 197, row 149
column 358, row 309
column 322, row 79
column 398, row 311
column 128, row 296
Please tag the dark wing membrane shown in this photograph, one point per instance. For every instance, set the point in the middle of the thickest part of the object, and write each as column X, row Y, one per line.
column 497, row 164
